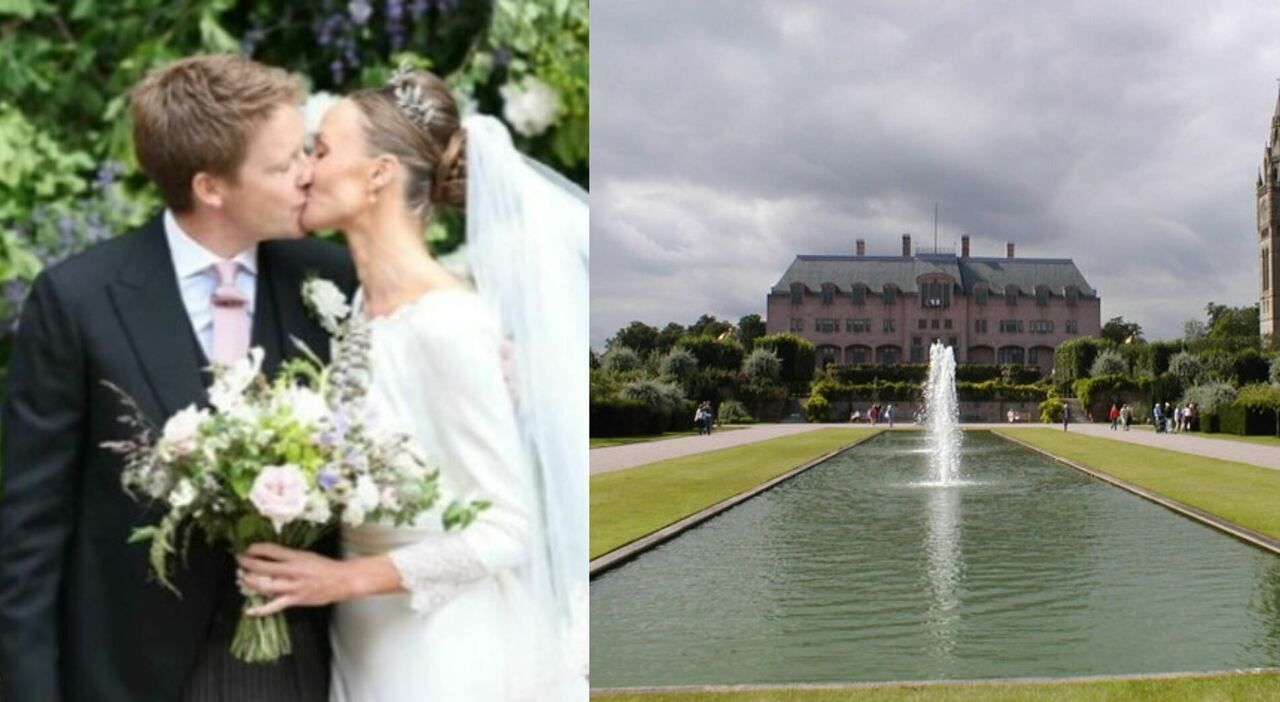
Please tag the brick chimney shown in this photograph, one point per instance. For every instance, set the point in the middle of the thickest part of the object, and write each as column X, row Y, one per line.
column 964, row 246
column 1008, row 250
column 862, row 247
column 906, row 245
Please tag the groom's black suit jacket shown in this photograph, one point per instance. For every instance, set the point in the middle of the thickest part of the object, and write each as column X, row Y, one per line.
column 81, row 619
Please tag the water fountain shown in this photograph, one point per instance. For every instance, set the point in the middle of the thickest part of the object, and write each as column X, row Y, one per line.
column 942, row 413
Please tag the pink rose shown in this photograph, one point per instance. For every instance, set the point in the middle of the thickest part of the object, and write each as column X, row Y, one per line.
column 280, row 494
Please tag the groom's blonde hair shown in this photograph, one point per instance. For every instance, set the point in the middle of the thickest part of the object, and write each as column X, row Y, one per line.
column 199, row 114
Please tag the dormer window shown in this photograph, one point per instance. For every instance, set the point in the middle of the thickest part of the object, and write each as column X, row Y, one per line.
column 828, row 293
column 859, row 293
column 1042, row 295
column 1011, row 295
column 1073, row 295
column 980, row 295
column 797, row 293
column 890, row 294
column 935, row 293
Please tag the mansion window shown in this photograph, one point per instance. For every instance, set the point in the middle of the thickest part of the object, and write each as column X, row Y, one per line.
column 917, row 350
column 797, row 293
column 1010, row 354
column 829, row 355
column 1072, row 327
column 921, row 324
column 1042, row 326
column 935, row 294
column 980, row 296
column 1011, row 296
column 828, row 294
column 857, row 325
column 857, row 354
column 826, row 325
column 1073, row 296
column 890, row 294
column 980, row 325
column 1010, row 326
column 797, row 324
column 888, row 325
column 946, row 324
column 1042, row 296
column 1033, row 356
column 1264, row 270
column 933, row 324
column 859, row 295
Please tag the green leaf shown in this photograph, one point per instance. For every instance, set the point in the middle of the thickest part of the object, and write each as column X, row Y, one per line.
column 26, row 9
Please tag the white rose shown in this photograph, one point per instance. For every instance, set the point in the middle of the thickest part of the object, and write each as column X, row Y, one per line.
column 306, row 405
column 228, row 389
column 327, row 301
column 183, row 495
column 530, row 107
column 280, row 494
column 366, row 493
column 181, row 435
column 317, row 509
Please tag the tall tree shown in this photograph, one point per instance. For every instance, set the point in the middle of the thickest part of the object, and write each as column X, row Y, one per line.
column 750, row 328
column 668, row 337
column 637, row 336
column 708, row 325
column 1119, row 331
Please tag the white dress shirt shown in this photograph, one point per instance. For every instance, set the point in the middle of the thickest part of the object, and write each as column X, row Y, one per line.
column 197, row 278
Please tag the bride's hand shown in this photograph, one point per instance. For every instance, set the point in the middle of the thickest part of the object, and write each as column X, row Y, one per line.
column 295, row 578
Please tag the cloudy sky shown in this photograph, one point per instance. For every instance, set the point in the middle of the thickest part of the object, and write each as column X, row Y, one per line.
column 729, row 136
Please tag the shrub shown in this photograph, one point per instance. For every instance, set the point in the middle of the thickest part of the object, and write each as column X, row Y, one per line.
column 1051, row 411
column 1097, row 394
column 1249, row 367
column 1210, row 397
column 621, row 417
column 818, row 409
column 797, row 356
column 1274, row 374
column 1108, row 362
column 762, row 365
column 1165, row 388
column 725, row 354
column 679, row 363
column 1187, row 368
column 1073, row 359
column 659, row 395
column 734, row 411
column 620, row 359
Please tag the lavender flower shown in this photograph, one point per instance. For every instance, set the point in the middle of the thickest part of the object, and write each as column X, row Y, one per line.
column 360, row 11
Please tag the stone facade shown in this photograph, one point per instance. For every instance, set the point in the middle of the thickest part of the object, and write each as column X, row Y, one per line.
column 1269, row 228
column 889, row 309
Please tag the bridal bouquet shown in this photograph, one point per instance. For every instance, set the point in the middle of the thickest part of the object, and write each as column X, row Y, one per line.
column 284, row 461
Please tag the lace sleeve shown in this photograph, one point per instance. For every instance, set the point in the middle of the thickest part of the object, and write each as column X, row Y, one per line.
column 465, row 399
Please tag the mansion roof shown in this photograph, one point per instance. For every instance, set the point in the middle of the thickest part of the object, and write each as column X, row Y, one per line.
column 903, row 271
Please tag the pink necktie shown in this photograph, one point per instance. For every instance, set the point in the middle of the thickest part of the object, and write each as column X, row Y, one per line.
column 230, row 316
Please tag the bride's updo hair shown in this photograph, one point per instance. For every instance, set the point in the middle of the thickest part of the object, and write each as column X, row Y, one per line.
column 414, row 118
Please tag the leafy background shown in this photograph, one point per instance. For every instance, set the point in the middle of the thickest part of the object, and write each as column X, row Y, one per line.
column 68, row 177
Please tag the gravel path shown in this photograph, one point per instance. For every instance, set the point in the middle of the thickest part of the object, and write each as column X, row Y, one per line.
column 1226, row 449
column 604, row 460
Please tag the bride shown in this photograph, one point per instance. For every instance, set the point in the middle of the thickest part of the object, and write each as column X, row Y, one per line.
column 484, row 385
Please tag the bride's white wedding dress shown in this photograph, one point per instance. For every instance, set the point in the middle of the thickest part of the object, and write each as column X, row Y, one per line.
column 468, row 629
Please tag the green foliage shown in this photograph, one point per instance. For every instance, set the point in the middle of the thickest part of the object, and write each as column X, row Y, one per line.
column 680, row 363
column 817, row 409
column 1250, row 366
column 1097, row 394
column 637, row 336
column 1210, row 397
column 1073, row 359
column 797, row 355
column 661, row 396
column 725, row 354
column 733, row 411
column 1187, row 368
column 1273, row 373
column 708, row 325
column 1051, row 411
column 1108, row 362
column 762, row 365
column 1165, row 388
column 619, row 359
column 750, row 328
column 1118, row 331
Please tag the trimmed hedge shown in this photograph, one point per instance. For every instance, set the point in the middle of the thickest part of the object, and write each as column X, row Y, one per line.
column 1073, row 359
column 854, row 374
column 620, row 416
column 987, row 391
column 797, row 356
column 1235, row 418
column 713, row 353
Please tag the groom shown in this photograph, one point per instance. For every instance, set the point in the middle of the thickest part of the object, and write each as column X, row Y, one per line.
column 81, row 620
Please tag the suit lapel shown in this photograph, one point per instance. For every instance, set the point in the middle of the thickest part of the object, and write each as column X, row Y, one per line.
column 150, row 309
column 291, row 318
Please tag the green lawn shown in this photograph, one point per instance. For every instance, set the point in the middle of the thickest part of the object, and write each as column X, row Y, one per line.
column 1264, row 687
column 1238, row 492
column 624, row 440
column 627, row 504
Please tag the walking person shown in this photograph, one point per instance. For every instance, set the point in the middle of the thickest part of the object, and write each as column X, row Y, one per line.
column 888, row 414
column 1066, row 416
column 1126, row 415
column 1158, row 415
column 1115, row 416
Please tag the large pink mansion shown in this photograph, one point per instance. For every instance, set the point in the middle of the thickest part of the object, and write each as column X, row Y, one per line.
column 888, row 309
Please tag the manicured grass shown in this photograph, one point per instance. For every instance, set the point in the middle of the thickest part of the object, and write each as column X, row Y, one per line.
column 627, row 504
column 1256, row 687
column 1238, row 492
column 624, row 440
